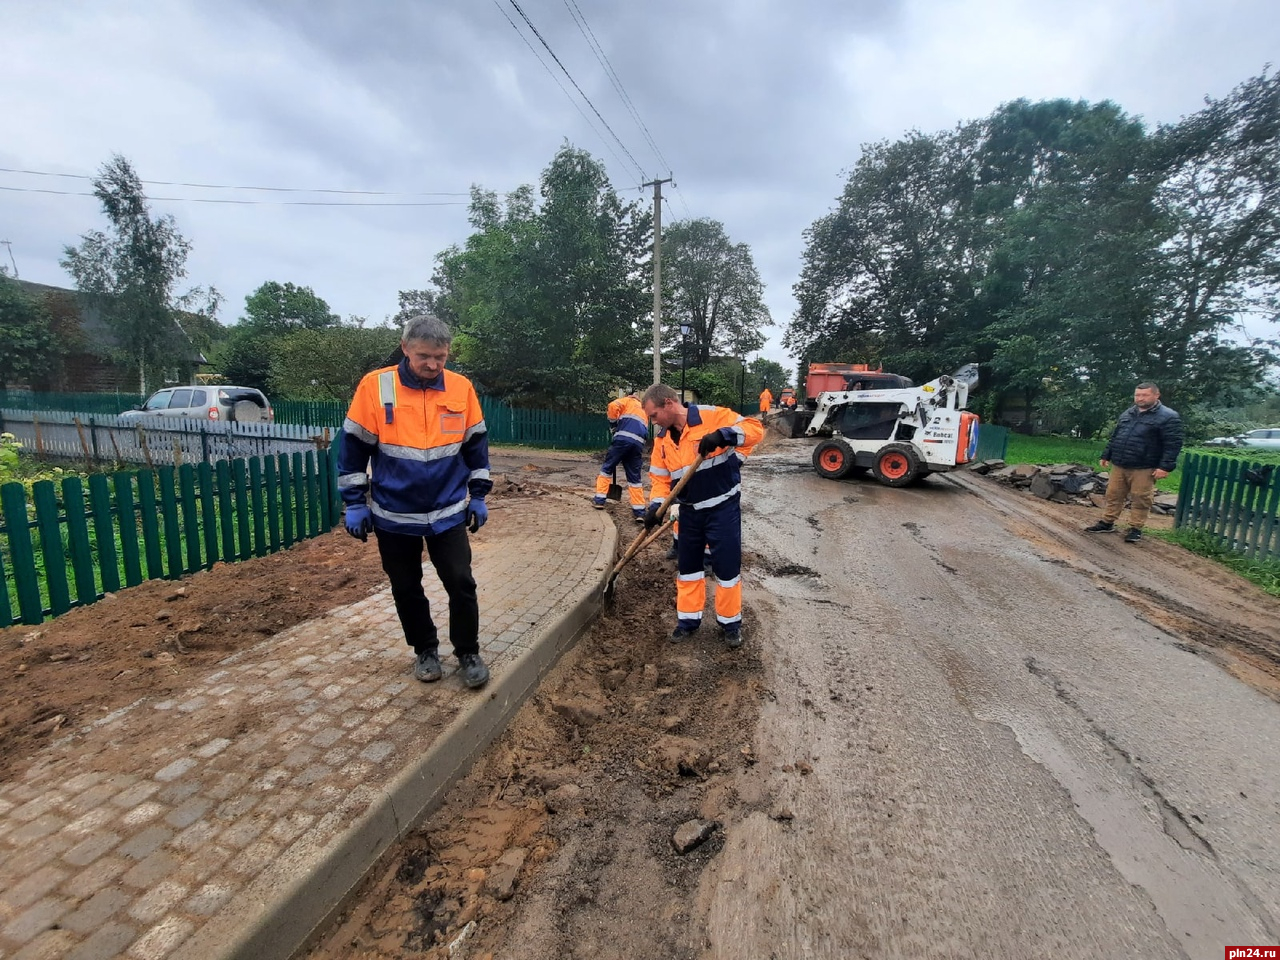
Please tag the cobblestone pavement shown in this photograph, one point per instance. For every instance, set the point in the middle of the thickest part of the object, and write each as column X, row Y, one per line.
column 300, row 761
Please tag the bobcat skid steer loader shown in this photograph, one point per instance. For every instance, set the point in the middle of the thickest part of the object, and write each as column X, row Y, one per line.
column 900, row 434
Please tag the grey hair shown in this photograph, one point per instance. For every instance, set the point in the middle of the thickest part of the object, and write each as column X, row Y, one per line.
column 427, row 328
column 1148, row 385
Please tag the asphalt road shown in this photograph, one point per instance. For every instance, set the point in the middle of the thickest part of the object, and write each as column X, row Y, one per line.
column 975, row 747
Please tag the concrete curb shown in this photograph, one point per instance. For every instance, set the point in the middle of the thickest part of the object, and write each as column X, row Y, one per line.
column 304, row 897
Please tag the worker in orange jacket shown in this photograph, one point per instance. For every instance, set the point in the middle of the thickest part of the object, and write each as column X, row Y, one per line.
column 710, row 503
column 630, row 429
column 766, row 400
column 413, row 470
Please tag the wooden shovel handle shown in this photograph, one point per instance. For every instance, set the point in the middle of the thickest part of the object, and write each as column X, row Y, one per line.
column 675, row 491
column 647, row 537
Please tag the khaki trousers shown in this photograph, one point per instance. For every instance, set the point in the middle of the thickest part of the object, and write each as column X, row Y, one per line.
column 1138, row 486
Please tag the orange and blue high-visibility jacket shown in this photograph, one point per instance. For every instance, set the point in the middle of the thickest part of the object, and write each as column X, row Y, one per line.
column 718, row 478
column 428, row 446
column 628, row 420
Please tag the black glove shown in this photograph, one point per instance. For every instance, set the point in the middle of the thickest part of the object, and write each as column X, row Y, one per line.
column 651, row 516
column 712, row 441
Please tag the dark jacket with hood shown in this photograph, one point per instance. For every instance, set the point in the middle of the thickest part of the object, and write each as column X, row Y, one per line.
column 1146, row 439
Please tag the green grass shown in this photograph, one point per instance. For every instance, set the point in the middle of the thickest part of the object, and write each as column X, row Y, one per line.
column 1264, row 573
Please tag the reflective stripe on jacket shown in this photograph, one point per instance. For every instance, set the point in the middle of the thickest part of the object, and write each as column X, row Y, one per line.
column 718, row 478
column 428, row 446
column 627, row 416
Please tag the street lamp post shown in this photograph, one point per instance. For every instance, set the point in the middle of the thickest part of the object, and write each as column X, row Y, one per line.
column 684, row 335
column 742, row 393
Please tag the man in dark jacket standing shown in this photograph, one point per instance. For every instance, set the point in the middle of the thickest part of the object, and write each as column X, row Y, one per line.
column 1143, row 448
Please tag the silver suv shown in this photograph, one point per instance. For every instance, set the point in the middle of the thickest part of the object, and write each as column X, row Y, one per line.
column 217, row 403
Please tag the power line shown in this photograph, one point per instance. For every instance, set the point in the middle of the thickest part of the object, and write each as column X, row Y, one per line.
column 223, row 186
column 526, row 19
column 680, row 195
column 589, row 35
column 254, row 203
column 567, row 94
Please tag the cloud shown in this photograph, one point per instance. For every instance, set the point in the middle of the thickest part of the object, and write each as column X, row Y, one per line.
column 756, row 107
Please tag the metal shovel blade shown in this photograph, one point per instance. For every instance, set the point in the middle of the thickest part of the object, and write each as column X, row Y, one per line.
column 615, row 492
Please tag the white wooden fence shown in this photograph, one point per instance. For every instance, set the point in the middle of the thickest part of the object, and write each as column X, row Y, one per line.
column 101, row 438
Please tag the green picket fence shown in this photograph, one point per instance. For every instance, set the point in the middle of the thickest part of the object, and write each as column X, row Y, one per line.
column 150, row 524
column 104, row 403
column 310, row 413
column 1233, row 501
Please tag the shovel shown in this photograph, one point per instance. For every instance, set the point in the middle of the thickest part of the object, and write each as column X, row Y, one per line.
column 647, row 537
column 615, row 491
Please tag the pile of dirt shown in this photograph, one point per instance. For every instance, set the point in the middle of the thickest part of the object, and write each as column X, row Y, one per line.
column 628, row 751
column 153, row 639
column 150, row 640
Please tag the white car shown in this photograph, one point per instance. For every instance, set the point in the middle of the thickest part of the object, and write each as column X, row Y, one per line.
column 217, row 403
column 1265, row 439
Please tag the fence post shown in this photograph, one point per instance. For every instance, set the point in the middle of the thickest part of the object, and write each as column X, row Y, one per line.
column 1190, row 467
column 190, row 523
column 204, row 442
column 104, row 532
column 123, row 483
column 13, row 501
column 93, row 437
column 172, row 530
column 45, row 496
column 78, row 540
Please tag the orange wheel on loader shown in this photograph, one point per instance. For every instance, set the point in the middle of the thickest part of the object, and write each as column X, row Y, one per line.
column 896, row 465
column 833, row 458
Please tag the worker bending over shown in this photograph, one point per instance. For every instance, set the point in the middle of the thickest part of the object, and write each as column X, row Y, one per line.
column 630, row 433
column 710, row 503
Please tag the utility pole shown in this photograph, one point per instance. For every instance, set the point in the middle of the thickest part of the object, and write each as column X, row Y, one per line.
column 657, row 275
column 9, row 246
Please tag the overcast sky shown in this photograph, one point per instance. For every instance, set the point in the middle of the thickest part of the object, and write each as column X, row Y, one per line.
column 757, row 107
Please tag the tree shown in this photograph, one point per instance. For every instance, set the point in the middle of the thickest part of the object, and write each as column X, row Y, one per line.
column 1221, row 259
column 130, row 276
column 244, row 358
column 888, row 276
column 548, row 299
column 29, row 349
column 326, row 364
column 712, row 285
column 762, row 372
column 279, row 308
column 1064, row 248
column 415, row 302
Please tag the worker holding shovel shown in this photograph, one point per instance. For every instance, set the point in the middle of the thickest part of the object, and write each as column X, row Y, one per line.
column 630, row 429
column 711, row 443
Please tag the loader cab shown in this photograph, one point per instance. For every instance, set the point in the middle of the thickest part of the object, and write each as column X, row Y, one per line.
column 876, row 381
column 868, row 421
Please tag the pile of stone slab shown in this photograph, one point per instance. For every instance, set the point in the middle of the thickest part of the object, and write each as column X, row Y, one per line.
column 1061, row 482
